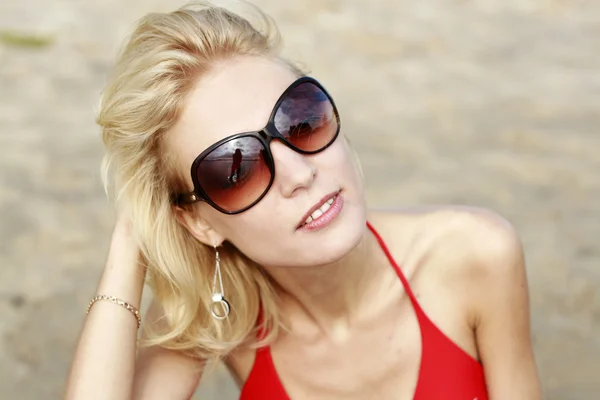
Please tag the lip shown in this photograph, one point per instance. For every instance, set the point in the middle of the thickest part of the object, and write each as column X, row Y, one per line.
column 316, row 207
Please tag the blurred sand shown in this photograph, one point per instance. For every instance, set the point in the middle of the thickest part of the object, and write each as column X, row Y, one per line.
column 486, row 102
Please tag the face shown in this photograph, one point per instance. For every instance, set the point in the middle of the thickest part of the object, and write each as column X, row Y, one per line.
column 314, row 211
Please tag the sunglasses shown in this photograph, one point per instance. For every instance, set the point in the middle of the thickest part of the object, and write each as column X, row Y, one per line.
column 235, row 173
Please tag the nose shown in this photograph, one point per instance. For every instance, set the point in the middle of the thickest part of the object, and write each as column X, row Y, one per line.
column 293, row 171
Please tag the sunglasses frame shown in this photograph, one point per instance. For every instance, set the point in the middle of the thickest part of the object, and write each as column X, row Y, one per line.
column 265, row 136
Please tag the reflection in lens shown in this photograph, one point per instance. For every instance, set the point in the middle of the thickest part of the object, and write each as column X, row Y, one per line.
column 306, row 118
column 235, row 174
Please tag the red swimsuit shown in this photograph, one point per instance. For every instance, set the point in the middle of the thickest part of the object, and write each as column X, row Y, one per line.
column 446, row 371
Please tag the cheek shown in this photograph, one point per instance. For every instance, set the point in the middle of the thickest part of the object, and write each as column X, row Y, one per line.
column 248, row 230
column 342, row 161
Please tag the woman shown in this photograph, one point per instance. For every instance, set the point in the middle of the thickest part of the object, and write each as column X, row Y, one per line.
column 243, row 204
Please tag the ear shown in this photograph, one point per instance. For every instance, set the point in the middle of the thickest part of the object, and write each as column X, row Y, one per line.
column 198, row 226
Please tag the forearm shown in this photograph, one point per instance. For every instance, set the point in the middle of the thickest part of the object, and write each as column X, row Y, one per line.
column 104, row 361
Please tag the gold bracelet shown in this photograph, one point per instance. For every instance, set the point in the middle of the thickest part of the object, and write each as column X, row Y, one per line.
column 119, row 302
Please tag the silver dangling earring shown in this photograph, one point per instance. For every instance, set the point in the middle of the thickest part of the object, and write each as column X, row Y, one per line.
column 218, row 294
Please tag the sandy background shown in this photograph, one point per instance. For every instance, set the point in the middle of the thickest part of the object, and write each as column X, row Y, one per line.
column 486, row 102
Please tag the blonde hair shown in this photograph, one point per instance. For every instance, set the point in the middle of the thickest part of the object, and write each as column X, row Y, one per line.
column 161, row 61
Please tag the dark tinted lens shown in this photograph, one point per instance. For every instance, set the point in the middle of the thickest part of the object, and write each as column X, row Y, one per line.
column 307, row 118
column 235, row 174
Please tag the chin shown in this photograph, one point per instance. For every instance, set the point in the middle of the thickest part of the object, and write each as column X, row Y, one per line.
column 333, row 242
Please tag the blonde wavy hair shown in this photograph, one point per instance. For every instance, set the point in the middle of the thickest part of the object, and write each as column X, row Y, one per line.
column 161, row 61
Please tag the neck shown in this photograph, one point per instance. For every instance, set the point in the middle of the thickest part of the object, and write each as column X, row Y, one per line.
column 334, row 296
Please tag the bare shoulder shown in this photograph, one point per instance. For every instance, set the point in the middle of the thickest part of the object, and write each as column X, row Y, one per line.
column 473, row 242
column 485, row 243
column 467, row 257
